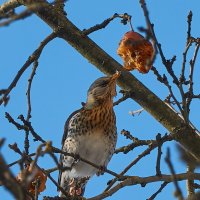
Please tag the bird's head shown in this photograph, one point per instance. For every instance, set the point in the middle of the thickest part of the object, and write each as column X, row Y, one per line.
column 101, row 91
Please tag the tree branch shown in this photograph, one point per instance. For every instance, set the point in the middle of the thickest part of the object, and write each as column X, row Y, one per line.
column 153, row 196
column 35, row 55
column 145, row 180
column 8, row 6
column 183, row 133
column 125, row 18
column 8, row 180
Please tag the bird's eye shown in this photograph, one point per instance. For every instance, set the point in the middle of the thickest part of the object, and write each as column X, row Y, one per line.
column 104, row 84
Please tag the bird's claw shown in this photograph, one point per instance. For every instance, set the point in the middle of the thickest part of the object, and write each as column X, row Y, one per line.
column 101, row 170
column 73, row 191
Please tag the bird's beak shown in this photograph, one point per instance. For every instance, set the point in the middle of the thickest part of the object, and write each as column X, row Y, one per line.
column 115, row 76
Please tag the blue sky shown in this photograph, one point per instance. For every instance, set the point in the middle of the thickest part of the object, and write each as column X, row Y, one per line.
column 63, row 77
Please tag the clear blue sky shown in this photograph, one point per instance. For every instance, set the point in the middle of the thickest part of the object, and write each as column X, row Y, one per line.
column 63, row 77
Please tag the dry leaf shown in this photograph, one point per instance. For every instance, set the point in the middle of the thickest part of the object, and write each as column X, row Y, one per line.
column 32, row 175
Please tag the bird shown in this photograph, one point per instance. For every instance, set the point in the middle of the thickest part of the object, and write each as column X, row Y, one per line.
column 91, row 133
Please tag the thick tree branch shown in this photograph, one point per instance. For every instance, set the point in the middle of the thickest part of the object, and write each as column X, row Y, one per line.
column 184, row 134
column 8, row 6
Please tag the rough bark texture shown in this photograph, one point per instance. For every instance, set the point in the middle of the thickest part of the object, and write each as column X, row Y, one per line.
column 184, row 134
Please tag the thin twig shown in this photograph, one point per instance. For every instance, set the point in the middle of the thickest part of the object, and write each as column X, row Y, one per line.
column 190, row 182
column 11, row 120
column 35, row 55
column 28, row 93
column 28, row 125
column 178, row 192
column 182, row 76
column 26, row 142
column 7, row 10
column 189, row 21
column 150, row 27
column 137, row 143
column 163, row 79
column 15, row 148
column 125, row 18
column 159, row 141
column 77, row 157
column 139, row 157
column 125, row 96
column 153, row 196
column 196, row 186
column 49, row 171
column 135, row 180
column 2, row 140
column 39, row 153
column 55, row 183
column 21, row 159
column 191, row 83
column 167, row 63
column 14, row 18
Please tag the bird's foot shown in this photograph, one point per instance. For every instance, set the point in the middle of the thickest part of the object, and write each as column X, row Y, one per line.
column 77, row 185
column 74, row 191
column 101, row 170
column 72, row 182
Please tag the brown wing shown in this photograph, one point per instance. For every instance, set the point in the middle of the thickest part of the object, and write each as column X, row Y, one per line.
column 65, row 134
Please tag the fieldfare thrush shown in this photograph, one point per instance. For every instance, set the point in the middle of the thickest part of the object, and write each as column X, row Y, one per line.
column 91, row 133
